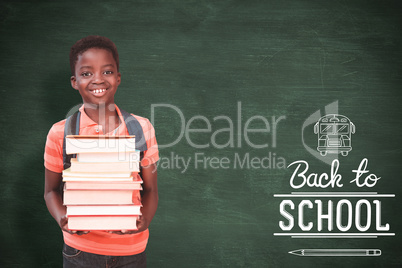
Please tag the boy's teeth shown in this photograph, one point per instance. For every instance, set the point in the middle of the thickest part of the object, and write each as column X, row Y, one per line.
column 99, row 90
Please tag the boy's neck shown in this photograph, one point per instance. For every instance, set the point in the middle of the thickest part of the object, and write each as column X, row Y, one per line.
column 103, row 114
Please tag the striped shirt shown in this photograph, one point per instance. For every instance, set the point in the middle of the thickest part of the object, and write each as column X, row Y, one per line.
column 101, row 242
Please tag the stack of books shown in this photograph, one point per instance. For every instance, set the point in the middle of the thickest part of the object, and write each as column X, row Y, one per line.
column 102, row 186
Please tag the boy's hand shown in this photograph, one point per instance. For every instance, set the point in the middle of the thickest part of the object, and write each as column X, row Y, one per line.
column 142, row 225
column 64, row 226
column 54, row 200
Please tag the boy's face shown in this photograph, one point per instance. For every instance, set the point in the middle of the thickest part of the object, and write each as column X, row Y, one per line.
column 96, row 76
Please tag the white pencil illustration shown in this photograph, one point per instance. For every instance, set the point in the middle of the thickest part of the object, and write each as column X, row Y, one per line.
column 336, row 252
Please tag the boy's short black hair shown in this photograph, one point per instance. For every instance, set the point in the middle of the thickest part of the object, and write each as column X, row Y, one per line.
column 92, row 41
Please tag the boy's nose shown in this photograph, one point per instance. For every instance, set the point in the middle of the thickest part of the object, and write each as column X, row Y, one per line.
column 97, row 78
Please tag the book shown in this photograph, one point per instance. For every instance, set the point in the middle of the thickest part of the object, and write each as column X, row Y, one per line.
column 87, row 177
column 88, row 223
column 109, row 175
column 98, row 197
column 99, row 144
column 108, row 157
column 102, row 186
column 108, row 210
column 108, row 185
column 121, row 166
column 95, row 179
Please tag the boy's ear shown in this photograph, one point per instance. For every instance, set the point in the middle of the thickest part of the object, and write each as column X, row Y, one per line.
column 118, row 78
column 74, row 82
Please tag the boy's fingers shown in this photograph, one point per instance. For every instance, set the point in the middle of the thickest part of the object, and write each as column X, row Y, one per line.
column 82, row 232
column 69, row 231
column 123, row 232
column 115, row 232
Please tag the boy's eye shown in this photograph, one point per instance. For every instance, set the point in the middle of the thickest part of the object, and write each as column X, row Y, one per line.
column 108, row 72
column 85, row 74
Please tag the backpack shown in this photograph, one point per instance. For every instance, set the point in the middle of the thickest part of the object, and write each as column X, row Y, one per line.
column 72, row 127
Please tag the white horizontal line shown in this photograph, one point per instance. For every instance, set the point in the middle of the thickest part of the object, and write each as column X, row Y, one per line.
column 334, row 234
column 335, row 194
column 338, row 236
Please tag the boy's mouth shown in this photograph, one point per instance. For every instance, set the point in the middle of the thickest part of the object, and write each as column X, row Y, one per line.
column 99, row 92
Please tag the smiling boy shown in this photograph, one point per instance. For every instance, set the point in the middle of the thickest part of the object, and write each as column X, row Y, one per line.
column 94, row 65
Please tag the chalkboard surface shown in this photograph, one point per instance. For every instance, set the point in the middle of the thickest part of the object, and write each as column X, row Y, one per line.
column 234, row 90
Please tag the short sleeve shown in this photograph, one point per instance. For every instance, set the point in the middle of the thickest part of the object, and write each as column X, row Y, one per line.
column 53, row 156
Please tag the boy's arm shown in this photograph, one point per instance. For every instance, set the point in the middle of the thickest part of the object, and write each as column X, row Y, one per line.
column 54, row 200
column 149, row 198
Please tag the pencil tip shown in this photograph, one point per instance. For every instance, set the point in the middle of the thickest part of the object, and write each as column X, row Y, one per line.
column 295, row 252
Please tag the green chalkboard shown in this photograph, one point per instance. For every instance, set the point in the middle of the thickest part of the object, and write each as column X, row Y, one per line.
column 234, row 90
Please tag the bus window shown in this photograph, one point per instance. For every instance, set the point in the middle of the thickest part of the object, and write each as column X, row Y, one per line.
column 326, row 128
column 341, row 129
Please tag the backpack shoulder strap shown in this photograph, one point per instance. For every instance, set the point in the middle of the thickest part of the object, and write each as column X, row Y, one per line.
column 72, row 127
column 134, row 128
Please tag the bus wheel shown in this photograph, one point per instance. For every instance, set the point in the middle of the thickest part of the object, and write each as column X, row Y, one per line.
column 344, row 153
column 323, row 153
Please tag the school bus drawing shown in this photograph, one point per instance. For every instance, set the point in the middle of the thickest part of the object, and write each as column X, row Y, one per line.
column 334, row 134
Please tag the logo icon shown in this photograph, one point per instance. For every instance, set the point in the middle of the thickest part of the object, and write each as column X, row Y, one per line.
column 334, row 134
